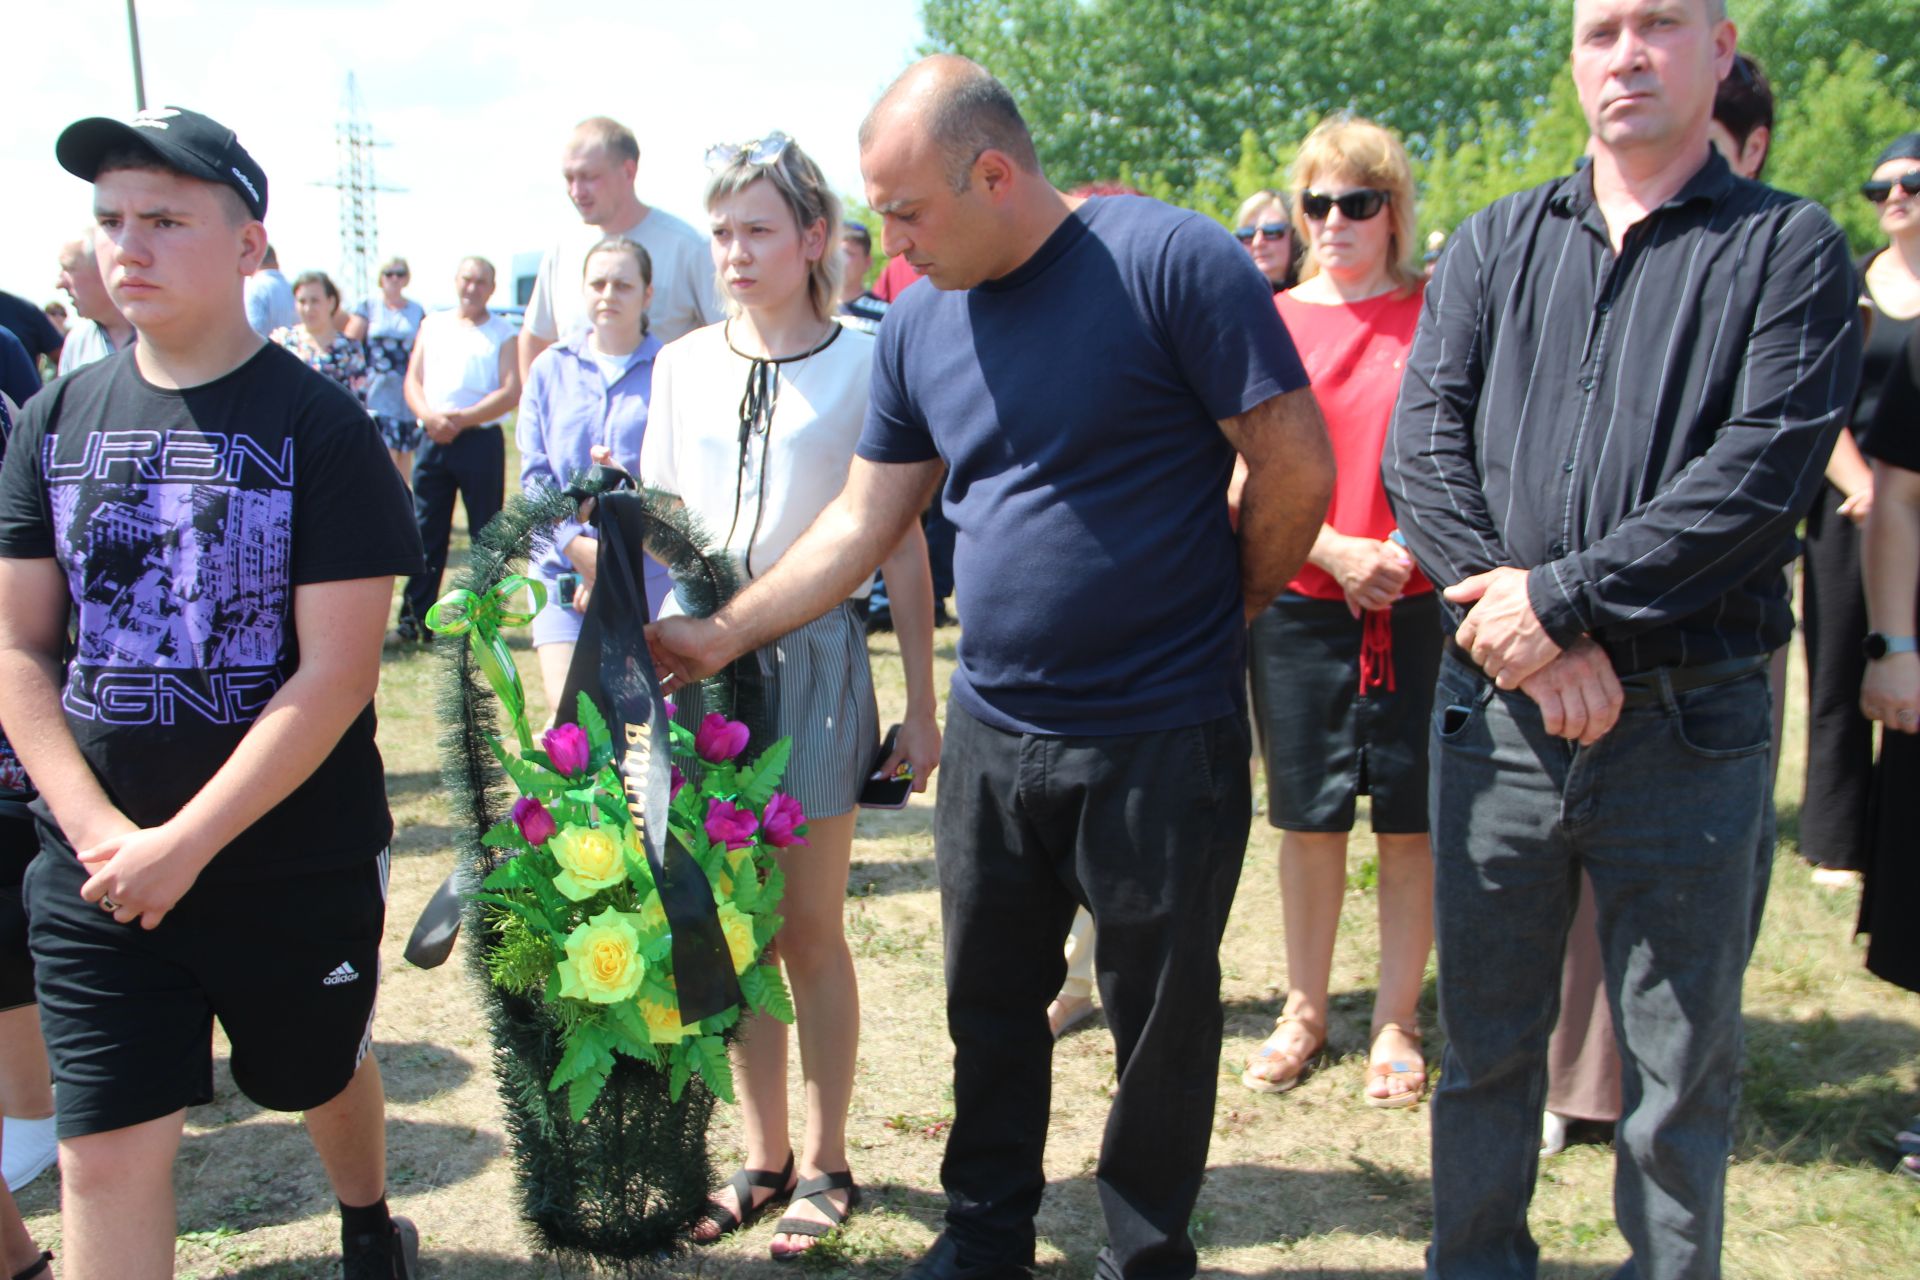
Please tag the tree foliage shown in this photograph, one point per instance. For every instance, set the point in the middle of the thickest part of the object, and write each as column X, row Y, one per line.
column 1164, row 90
column 1826, row 136
column 1200, row 102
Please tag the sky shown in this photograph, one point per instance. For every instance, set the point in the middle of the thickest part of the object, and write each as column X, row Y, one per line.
column 475, row 100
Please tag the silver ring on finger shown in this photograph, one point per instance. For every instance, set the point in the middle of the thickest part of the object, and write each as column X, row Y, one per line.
column 107, row 904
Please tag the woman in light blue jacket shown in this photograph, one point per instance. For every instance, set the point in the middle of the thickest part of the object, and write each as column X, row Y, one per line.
column 588, row 393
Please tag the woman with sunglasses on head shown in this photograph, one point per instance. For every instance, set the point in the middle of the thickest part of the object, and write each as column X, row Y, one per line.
column 1343, row 662
column 1264, row 225
column 753, row 426
column 386, row 326
column 586, row 402
column 1834, row 815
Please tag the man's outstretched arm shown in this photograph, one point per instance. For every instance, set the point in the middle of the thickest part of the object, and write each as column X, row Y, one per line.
column 839, row 551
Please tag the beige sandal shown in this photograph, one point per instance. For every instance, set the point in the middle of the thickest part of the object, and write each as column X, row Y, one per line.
column 1296, row 1059
column 1411, row 1073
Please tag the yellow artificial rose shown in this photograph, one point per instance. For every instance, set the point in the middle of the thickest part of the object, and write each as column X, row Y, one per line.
column 603, row 961
column 663, row 1022
column 590, row 859
column 739, row 861
column 739, row 931
column 653, row 916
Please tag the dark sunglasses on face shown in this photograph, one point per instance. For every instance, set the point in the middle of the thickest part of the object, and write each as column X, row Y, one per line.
column 1271, row 230
column 394, row 275
column 1356, row 206
column 1877, row 192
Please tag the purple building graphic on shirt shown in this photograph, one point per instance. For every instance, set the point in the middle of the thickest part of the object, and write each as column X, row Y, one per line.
column 179, row 558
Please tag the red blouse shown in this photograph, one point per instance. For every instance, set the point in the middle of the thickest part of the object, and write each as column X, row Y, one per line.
column 1355, row 353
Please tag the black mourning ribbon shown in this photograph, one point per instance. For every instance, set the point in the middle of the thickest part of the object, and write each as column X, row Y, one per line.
column 612, row 665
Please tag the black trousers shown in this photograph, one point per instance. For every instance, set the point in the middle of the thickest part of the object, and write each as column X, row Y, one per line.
column 1147, row 831
column 1834, row 804
column 474, row 466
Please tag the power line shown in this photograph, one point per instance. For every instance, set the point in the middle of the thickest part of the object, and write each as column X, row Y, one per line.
column 354, row 180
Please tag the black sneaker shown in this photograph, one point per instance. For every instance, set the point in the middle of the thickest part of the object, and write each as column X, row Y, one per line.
column 395, row 1258
column 404, row 635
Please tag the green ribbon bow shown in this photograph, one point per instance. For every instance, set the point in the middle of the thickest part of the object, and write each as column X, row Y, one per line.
column 479, row 618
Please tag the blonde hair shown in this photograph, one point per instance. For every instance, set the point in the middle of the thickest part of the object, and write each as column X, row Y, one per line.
column 1352, row 147
column 1253, row 204
column 804, row 190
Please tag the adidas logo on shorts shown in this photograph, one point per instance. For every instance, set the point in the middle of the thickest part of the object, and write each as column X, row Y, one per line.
column 343, row 974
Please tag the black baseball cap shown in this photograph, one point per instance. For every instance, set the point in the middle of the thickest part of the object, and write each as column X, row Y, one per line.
column 196, row 145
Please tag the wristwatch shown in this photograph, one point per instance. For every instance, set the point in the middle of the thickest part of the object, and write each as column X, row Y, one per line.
column 1877, row 646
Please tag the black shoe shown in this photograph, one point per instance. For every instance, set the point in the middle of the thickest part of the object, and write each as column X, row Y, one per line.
column 404, row 635
column 944, row 1261
column 879, row 620
column 395, row 1258
column 941, row 618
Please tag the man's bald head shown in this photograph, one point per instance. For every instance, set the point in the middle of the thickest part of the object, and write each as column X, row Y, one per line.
column 956, row 104
column 80, row 278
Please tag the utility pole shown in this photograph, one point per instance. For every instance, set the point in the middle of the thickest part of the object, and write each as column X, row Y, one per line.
column 354, row 180
column 139, row 78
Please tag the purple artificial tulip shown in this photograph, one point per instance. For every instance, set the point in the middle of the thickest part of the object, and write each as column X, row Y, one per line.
column 568, row 748
column 719, row 739
column 778, row 823
column 536, row 824
column 672, row 710
column 679, row 781
column 730, row 825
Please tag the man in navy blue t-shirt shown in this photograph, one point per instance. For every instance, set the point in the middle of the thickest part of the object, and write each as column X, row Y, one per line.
column 1083, row 373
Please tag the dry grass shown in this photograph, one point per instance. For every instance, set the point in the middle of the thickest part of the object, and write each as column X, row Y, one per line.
column 1309, row 1183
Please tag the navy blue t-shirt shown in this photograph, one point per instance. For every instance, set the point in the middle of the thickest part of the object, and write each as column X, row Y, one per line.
column 18, row 377
column 1076, row 402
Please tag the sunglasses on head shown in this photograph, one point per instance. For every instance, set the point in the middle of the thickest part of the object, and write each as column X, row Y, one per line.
column 1271, row 230
column 1356, row 206
column 760, row 151
column 1877, row 192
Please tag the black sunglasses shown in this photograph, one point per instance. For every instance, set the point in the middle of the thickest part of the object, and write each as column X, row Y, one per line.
column 1271, row 230
column 401, row 274
column 1877, row 192
column 1357, row 205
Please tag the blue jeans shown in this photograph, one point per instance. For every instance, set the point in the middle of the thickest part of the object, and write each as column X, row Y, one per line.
column 1671, row 815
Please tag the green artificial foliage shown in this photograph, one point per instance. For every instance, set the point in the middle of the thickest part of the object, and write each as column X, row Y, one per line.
column 623, row 1185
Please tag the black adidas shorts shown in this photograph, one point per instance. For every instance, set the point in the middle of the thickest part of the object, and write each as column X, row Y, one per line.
column 290, row 967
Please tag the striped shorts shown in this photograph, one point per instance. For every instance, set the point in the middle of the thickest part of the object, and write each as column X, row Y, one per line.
column 826, row 705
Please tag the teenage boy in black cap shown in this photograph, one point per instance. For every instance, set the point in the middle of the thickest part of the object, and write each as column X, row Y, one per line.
column 225, row 528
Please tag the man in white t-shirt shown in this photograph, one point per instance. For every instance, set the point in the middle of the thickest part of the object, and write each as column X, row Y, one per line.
column 99, row 329
column 463, row 378
column 599, row 164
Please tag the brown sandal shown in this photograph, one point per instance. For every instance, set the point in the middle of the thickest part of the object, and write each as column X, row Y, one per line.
column 1273, row 1048
column 1411, row 1073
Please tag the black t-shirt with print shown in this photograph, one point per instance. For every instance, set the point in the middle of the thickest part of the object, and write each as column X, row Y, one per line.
column 184, row 520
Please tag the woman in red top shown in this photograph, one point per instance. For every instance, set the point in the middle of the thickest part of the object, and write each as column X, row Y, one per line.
column 1343, row 663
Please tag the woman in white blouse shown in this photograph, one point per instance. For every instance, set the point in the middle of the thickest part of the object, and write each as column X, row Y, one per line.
column 753, row 424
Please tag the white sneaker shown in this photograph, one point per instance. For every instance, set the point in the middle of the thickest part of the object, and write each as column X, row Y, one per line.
column 27, row 1150
column 1553, row 1133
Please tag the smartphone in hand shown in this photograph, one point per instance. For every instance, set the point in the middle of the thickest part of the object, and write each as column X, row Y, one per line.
column 883, row 791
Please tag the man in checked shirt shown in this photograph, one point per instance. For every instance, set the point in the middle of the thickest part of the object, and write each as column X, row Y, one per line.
column 1619, row 402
